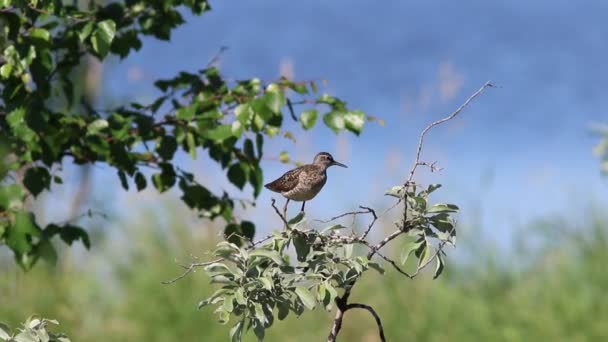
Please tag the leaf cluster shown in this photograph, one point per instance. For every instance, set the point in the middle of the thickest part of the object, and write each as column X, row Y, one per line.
column 34, row 329
column 47, row 118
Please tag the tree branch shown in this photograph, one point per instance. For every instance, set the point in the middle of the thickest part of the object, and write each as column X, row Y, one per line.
column 488, row 84
column 373, row 312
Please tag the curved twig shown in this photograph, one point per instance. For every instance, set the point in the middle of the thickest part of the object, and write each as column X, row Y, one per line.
column 374, row 313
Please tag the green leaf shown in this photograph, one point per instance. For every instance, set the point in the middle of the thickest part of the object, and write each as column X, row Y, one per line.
column 334, row 227
column 265, row 253
column 244, row 113
column 302, row 246
column 376, row 267
column 186, row 113
column 284, row 157
column 334, row 120
column 123, row 179
column 11, row 197
column 96, row 126
column 408, row 248
column 274, row 98
column 443, row 208
column 236, row 332
column 140, row 181
column 237, row 174
column 219, row 133
column 5, row 70
column 439, row 266
column 166, row 179
column 86, row 31
column 191, row 144
column 37, row 179
column 40, row 33
column 4, row 333
column 354, row 121
column 396, row 191
column 102, row 37
column 283, row 307
column 427, row 252
column 308, row 118
column 167, row 147
column 296, row 219
column 307, row 298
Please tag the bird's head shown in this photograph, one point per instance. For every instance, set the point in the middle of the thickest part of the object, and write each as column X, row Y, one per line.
column 325, row 159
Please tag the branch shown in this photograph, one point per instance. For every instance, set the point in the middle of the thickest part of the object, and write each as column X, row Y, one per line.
column 373, row 312
column 273, row 201
column 488, row 84
column 190, row 268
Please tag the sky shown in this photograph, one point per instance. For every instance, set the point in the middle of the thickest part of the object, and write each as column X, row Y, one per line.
column 519, row 152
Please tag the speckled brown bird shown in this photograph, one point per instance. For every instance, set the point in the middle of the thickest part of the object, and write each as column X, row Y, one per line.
column 304, row 182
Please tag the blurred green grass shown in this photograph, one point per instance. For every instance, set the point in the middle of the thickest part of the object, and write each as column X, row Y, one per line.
column 114, row 292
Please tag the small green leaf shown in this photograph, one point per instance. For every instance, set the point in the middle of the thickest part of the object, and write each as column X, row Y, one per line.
column 37, row 179
column 443, row 208
column 408, row 248
column 274, row 98
column 265, row 253
column 96, row 126
column 140, row 181
column 236, row 332
column 167, row 147
column 237, row 174
column 376, row 267
column 354, row 121
column 219, row 133
column 334, row 227
column 296, row 219
column 308, row 118
column 102, row 37
column 396, row 191
column 40, row 33
column 334, row 120
column 191, row 144
column 5, row 70
column 284, row 157
column 307, row 298
column 439, row 266
column 427, row 252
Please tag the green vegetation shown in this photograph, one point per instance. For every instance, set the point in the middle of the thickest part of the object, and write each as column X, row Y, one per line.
column 47, row 120
column 116, row 293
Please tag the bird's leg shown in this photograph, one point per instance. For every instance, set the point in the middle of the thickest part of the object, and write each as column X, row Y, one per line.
column 303, row 203
column 285, row 209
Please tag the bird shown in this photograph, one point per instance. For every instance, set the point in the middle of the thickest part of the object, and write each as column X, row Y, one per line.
column 304, row 182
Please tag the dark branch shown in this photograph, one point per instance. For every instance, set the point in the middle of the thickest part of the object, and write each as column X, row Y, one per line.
column 373, row 312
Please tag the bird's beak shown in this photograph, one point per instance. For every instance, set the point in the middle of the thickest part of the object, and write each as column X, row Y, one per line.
column 338, row 164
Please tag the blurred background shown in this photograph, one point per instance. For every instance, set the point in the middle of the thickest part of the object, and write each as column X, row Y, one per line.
column 529, row 263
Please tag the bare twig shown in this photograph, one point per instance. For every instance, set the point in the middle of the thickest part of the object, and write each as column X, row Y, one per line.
column 381, row 244
column 354, row 213
column 488, row 84
column 273, row 201
column 371, row 224
column 373, row 312
column 190, row 268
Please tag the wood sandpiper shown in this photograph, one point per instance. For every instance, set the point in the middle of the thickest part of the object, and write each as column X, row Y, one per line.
column 304, row 182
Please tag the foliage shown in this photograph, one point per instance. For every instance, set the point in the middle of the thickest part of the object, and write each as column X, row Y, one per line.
column 46, row 120
column 554, row 293
column 33, row 330
column 261, row 281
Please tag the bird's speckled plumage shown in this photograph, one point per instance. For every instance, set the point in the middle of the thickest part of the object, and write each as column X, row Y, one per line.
column 304, row 183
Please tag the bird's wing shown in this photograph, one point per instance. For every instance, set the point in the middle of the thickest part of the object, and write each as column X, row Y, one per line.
column 286, row 182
